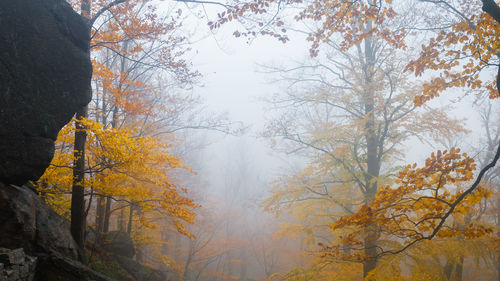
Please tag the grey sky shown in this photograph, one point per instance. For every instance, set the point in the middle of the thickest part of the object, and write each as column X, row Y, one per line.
column 232, row 84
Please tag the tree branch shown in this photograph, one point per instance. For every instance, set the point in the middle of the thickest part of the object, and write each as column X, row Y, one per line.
column 205, row 2
column 452, row 206
column 103, row 10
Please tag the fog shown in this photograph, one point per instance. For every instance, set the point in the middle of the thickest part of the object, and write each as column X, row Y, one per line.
column 236, row 172
column 287, row 166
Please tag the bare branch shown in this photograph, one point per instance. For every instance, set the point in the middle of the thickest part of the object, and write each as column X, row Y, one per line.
column 104, row 9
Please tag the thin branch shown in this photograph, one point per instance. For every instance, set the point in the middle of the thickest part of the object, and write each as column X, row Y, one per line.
column 103, row 10
column 205, row 2
column 452, row 206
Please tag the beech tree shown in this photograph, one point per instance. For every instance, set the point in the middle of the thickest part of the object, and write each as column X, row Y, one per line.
column 467, row 50
column 349, row 111
column 134, row 36
column 459, row 53
column 354, row 110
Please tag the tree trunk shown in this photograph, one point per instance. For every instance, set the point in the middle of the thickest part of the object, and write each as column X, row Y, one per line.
column 459, row 268
column 448, row 269
column 99, row 221
column 454, row 270
column 130, row 216
column 188, row 260
column 107, row 215
column 498, row 267
column 100, row 209
column 244, row 264
column 372, row 159
column 78, row 217
column 121, row 217
column 78, row 190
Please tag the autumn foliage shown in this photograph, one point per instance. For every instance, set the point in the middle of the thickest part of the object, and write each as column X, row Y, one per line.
column 422, row 199
column 351, row 208
column 436, row 201
column 122, row 165
column 129, row 165
column 459, row 54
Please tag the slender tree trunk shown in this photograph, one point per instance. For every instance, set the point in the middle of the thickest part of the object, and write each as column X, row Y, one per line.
column 188, row 261
column 454, row 270
column 139, row 256
column 372, row 158
column 448, row 269
column 373, row 168
column 244, row 265
column 459, row 268
column 100, row 199
column 107, row 211
column 130, row 216
column 99, row 217
column 78, row 190
column 498, row 267
column 107, row 215
column 123, row 66
column 490, row 7
column 121, row 218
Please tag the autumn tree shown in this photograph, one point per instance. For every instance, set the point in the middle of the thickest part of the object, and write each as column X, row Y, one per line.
column 349, row 112
column 410, row 211
column 124, row 166
column 459, row 53
column 134, row 50
column 359, row 33
column 490, row 209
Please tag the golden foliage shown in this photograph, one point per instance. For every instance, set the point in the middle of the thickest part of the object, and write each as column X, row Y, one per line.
column 420, row 202
column 124, row 165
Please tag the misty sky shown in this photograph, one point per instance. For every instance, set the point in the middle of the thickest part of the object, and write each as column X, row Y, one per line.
column 232, row 83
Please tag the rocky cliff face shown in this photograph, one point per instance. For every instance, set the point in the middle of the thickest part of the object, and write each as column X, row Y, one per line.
column 45, row 74
column 15, row 265
column 28, row 223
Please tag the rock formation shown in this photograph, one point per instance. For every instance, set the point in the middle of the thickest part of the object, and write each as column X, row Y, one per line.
column 15, row 265
column 28, row 223
column 45, row 74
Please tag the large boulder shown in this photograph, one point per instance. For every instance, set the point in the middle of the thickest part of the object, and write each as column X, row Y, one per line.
column 45, row 73
column 15, row 265
column 27, row 222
